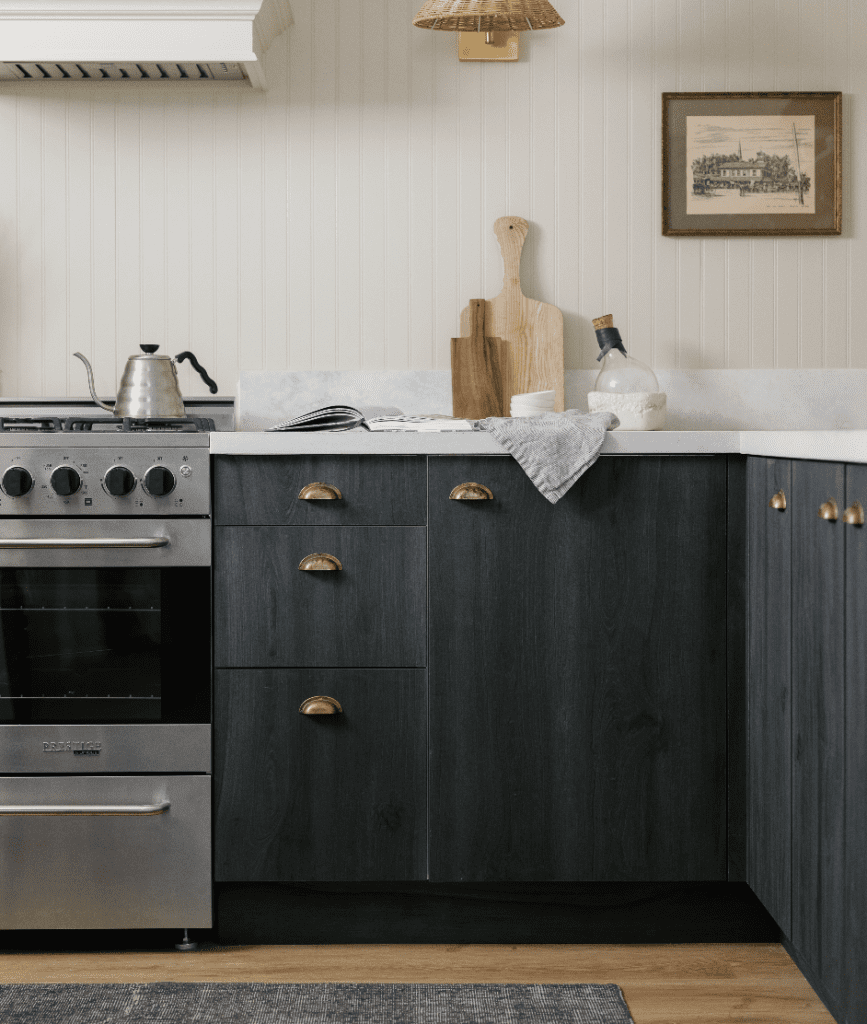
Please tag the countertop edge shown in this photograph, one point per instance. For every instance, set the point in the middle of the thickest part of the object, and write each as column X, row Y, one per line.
column 818, row 445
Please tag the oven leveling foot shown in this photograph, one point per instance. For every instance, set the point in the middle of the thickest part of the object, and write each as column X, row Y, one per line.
column 186, row 945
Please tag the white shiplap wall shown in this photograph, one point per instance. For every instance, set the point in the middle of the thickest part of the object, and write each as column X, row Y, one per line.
column 342, row 219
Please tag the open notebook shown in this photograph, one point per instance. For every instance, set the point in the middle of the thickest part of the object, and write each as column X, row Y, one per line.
column 345, row 417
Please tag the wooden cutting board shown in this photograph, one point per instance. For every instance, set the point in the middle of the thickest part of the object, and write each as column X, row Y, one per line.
column 534, row 329
column 480, row 370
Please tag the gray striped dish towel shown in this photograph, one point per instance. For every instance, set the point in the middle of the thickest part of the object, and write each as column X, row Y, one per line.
column 555, row 448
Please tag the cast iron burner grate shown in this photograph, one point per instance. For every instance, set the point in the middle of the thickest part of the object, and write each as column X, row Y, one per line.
column 127, row 425
column 30, row 424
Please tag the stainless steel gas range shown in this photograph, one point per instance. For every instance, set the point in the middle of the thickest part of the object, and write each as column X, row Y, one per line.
column 105, row 668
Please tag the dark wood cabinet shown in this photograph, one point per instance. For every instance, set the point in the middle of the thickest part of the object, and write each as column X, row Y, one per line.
column 375, row 490
column 577, row 673
column 269, row 614
column 854, row 985
column 320, row 797
column 769, row 530
column 818, row 687
column 808, row 720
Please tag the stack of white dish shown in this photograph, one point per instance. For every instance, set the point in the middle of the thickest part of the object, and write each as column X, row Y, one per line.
column 532, row 404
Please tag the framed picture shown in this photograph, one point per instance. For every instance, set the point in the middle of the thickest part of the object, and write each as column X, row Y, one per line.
column 752, row 163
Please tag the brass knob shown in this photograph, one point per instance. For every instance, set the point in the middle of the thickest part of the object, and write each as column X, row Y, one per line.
column 828, row 510
column 778, row 500
column 854, row 514
column 320, row 562
column 320, row 706
column 319, row 492
column 470, row 492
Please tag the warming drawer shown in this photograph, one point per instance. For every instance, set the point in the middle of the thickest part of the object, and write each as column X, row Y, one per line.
column 105, row 851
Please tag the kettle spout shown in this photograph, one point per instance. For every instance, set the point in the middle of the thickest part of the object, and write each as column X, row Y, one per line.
column 89, row 369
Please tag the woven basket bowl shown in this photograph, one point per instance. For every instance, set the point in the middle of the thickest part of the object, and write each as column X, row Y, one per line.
column 487, row 15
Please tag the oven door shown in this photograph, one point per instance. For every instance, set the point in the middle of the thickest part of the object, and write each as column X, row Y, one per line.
column 105, row 621
column 105, row 851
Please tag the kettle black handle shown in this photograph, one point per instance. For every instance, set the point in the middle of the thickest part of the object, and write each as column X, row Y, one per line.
column 198, row 366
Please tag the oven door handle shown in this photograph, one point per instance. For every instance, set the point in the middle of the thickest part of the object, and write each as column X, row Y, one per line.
column 40, row 543
column 18, row 809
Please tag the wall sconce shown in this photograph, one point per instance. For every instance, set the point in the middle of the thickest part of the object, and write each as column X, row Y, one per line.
column 499, row 20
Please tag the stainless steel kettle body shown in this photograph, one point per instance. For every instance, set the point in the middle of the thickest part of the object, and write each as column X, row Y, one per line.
column 149, row 387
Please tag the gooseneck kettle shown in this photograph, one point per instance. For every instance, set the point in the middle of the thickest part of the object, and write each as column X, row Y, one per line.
column 149, row 387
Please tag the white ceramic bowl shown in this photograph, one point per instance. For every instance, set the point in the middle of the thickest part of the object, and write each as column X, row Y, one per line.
column 536, row 400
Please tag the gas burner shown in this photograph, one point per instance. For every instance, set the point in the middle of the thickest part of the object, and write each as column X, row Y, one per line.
column 104, row 424
column 30, row 424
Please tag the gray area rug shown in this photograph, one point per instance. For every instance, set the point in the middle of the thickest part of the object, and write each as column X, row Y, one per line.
column 225, row 1003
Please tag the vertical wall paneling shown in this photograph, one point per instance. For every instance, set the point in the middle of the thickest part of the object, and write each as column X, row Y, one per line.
column 642, row 134
column 31, row 244
column 227, row 228
column 374, row 53
column 397, row 178
column 128, row 221
column 326, row 285
column 275, row 208
column 495, row 156
column 204, row 255
column 666, row 295
column 592, row 174
column 470, row 147
column 77, row 334
column 422, row 197
column 447, row 294
column 854, row 155
column 9, row 247
column 299, row 215
column 352, row 267
column 835, row 277
column 55, row 234
column 251, row 227
column 343, row 218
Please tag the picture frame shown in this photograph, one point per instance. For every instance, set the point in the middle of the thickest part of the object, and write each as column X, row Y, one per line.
column 752, row 164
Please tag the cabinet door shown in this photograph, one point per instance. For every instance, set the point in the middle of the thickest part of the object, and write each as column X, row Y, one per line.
column 770, row 704
column 577, row 673
column 818, row 692
column 854, row 998
column 268, row 613
column 320, row 797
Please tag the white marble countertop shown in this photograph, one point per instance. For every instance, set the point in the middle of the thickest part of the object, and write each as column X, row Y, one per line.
column 458, row 442
column 822, row 445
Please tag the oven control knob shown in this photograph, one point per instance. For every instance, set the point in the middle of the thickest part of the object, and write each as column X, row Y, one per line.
column 16, row 482
column 119, row 481
column 158, row 481
column 65, row 481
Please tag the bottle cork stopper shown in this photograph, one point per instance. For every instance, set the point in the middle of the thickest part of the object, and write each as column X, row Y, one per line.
column 601, row 322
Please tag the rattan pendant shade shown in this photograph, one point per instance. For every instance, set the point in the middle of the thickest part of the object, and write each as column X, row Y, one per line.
column 487, row 15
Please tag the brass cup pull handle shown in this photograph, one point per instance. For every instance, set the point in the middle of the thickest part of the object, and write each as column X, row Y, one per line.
column 778, row 500
column 828, row 510
column 320, row 492
column 470, row 492
column 854, row 514
column 320, row 563
column 320, row 706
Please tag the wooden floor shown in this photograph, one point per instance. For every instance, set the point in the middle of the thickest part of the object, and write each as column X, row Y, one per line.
column 691, row 984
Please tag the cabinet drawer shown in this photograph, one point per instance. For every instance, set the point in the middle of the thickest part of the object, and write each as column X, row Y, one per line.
column 376, row 490
column 270, row 614
column 320, row 797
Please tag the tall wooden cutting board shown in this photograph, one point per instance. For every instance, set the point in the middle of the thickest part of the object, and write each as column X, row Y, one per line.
column 535, row 329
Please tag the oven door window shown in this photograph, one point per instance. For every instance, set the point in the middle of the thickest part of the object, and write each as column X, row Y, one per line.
column 105, row 645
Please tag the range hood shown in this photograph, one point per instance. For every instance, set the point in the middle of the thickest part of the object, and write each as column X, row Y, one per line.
column 138, row 40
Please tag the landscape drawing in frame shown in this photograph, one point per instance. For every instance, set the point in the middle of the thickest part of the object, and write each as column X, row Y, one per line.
column 752, row 163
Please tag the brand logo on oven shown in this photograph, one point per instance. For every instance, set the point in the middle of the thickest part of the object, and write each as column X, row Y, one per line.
column 81, row 748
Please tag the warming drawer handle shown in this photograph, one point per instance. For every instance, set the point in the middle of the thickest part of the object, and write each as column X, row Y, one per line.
column 18, row 809
column 83, row 542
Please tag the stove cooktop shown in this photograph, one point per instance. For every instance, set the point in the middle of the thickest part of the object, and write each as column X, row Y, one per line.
column 104, row 425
